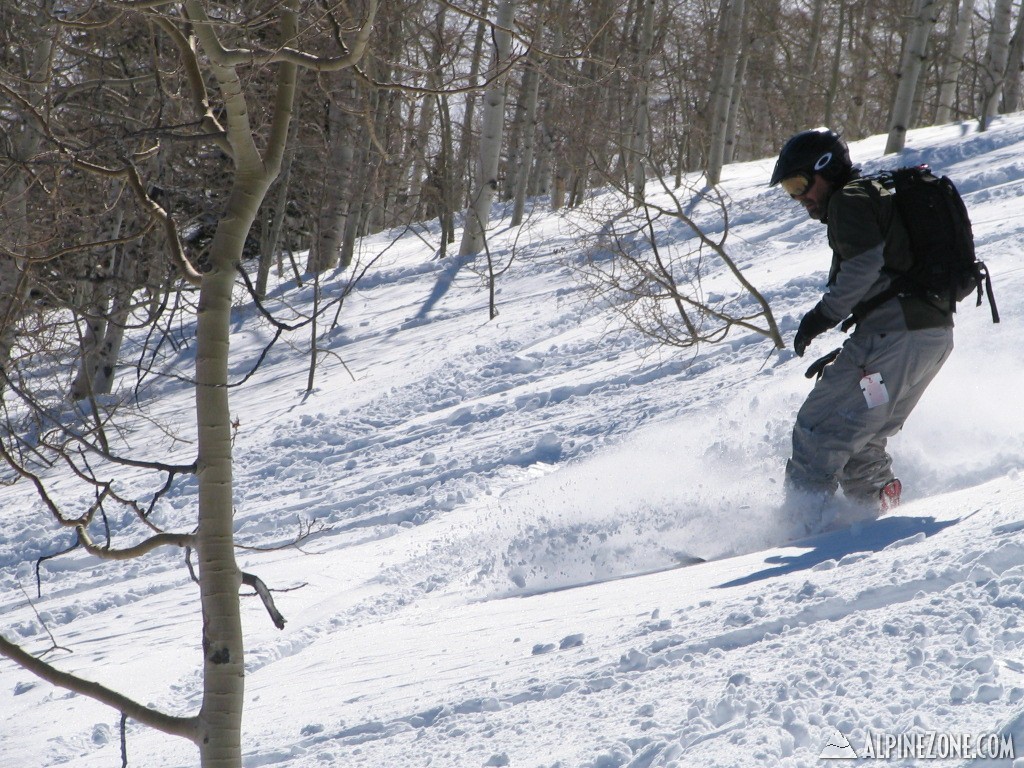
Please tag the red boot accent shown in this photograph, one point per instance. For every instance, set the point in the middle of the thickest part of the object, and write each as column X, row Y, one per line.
column 889, row 496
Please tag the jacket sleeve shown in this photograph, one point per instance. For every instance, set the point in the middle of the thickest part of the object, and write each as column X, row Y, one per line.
column 858, row 245
column 856, row 279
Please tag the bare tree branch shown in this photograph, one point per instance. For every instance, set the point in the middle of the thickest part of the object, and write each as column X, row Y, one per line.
column 169, row 724
column 147, row 545
column 268, row 600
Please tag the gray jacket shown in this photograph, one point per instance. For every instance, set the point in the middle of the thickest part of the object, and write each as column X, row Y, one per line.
column 870, row 246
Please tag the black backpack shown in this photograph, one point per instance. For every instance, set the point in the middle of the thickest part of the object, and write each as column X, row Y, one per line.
column 941, row 242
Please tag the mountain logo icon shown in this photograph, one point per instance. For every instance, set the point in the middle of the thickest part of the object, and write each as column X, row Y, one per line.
column 838, row 747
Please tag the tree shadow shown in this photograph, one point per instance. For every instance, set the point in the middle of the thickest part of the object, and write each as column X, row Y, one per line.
column 835, row 545
column 445, row 279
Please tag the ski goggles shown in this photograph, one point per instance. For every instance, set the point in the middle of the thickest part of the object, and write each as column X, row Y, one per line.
column 797, row 184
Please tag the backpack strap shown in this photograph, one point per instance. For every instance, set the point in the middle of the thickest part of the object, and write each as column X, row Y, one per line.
column 863, row 308
column 901, row 286
column 983, row 275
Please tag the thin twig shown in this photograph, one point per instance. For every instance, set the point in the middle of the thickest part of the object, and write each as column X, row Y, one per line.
column 53, row 641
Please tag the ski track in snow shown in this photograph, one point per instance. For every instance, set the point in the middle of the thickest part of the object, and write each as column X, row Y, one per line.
column 486, row 495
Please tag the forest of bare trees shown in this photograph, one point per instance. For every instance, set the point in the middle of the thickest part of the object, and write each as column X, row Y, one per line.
column 157, row 157
column 453, row 106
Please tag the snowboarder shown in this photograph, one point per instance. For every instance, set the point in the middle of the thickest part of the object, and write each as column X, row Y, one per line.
column 865, row 394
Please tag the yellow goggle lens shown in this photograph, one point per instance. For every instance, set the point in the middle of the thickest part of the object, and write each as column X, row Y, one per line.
column 795, row 185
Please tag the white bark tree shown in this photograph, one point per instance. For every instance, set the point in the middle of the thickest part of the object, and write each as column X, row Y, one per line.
column 915, row 53
column 493, row 121
column 641, row 115
column 814, row 39
column 335, row 202
column 722, row 91
column 953, row 63
column 527, row 130
column 1014, row 67
column 997, row 55
column 463, row 159
column 228, row 118
column 421, row 194
column 735, row 101
column 23, row 144
column 117, row 319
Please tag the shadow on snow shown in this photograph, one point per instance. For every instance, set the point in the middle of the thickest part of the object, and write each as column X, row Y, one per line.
column 835, row 545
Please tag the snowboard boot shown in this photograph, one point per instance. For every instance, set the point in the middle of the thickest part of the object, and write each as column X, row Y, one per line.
column 889, row 496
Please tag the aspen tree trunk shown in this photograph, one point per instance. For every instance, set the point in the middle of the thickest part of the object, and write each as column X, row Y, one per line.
column 737, row 95
column 996, row 56
column 370, row 166
column 463, row 164
column 641, row 115
column 832, row 92
column 23, row 142
column 946, row 110
column 814, row 41
column 110, row 347
column 326, row 251
column 270, row 231
column 350, row 125
column 420, row 160
column 541, row 183
column 523, row 123
column 95, row 326
column 220, row 715
column 527, row 130
column 1011, row 89
column 446, row 185
column 220, row 579
column 514, row 139
column 394, row 170
column 479, row 211
column 389, row 128
column 865, row 27
column 725, row 82
column 914, row 54
column 362, row 176
column 375, row 204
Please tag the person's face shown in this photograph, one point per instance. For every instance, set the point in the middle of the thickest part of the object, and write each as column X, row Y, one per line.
column 811, row 192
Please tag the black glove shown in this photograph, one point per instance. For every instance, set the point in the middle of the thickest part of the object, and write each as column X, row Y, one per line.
column 817, row 369
column 814, row 324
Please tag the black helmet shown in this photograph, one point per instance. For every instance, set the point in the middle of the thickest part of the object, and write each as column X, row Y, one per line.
column 815, row 151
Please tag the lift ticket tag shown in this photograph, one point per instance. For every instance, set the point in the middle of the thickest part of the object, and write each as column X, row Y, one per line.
column 874, row 390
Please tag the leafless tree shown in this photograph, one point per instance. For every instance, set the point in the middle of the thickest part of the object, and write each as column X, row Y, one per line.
column 961, row 16
column 656, row 281
column 997, row 55
column 915, row 53
column 151, row 150
column 245, row 120
column 725, row 84
column 485, row 187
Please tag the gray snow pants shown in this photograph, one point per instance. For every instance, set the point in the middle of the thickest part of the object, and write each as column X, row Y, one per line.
column 838, row 439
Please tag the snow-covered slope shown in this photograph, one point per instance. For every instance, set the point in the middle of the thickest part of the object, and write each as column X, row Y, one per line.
column 502, row 512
